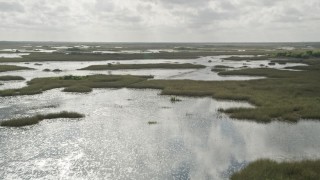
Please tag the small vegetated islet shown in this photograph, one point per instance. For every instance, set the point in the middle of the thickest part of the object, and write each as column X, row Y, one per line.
column 152, row 122
column 46, row 70
column 11, row 78
column 5, row 68
column 174, row 99
column 56, row 70
column 26, row 121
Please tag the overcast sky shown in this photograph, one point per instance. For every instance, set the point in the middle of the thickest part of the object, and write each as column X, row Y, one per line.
column 160, row 20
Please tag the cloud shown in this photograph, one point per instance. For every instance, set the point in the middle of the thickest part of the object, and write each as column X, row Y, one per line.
column 161, row 20
column 11, row 7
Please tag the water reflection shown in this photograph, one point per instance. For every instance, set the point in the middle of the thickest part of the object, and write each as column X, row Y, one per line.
column 191, row 140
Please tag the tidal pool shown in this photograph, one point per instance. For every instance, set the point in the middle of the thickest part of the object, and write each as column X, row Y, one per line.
column 191, row 139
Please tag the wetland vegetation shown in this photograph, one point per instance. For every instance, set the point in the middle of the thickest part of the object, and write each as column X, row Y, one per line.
column 174, row 99
column 152, row 122
column 74, row 83
column 82, row 56
column 27, row 121
column 283, row 95
column 5, row 68
column 268, row 169
column 220, row 68
column 11, row 78
column 298, row 54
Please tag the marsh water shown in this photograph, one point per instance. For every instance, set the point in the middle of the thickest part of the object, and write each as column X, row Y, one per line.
column 190, row 140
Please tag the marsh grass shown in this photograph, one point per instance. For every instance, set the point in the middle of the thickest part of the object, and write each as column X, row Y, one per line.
column 71, row 77
column 268, row 169
column 220, row 68
column 26, row 121
column 11, row 78
column 57, row 70
column 143, row 66
column 152, row 122
column 74, row 84
column 78, row 89
column 282, row 96
column 298, row 54
column 174, row 99
column 5, row 68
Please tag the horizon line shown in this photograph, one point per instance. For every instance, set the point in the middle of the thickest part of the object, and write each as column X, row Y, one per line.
column 168, row 42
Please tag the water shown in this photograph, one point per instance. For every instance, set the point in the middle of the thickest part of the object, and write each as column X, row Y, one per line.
column 191, row 139
column 12, row 55
column 114, row 141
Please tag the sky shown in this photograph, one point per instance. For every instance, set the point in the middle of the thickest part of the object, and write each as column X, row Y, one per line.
column 160, row 20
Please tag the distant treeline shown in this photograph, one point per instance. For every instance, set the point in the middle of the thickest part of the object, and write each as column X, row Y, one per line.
column 298, row 54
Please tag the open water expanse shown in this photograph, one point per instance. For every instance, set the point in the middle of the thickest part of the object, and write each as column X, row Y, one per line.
column 191, row 139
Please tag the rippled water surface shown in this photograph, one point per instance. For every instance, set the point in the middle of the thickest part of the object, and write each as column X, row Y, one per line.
column 191, row 140
column 114, row 140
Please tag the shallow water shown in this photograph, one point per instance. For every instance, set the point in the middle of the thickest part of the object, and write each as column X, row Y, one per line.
column 12, row 55
column 114, row 141
column 29, row 51
column 191, row 139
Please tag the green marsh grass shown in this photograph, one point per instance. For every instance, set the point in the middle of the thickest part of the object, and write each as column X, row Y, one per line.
column 26, row 121
column 5, row 68
column 78, row 89
column 11, row 78
column 74, row 83
column 220, row 68
column 268, row 169
column 282, row 96
column 174, row 99
column 56, row 70
column 152, row 122
column 299, row 54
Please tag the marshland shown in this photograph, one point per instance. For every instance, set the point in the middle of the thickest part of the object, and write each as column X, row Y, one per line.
column 159, row 110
